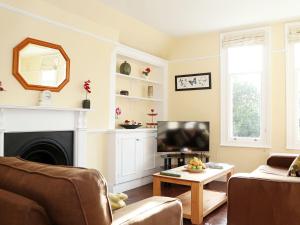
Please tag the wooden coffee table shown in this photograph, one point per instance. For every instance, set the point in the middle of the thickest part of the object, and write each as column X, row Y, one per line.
column 198, row 202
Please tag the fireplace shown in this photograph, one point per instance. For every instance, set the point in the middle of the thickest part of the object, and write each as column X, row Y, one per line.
column 54, row 148
column 52, row 135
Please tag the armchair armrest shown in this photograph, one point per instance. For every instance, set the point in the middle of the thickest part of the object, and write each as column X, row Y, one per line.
column 281, row 160
column 256, row 199
column 150, row 211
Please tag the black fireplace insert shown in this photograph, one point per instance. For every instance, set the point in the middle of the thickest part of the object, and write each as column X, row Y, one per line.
column 54, row 148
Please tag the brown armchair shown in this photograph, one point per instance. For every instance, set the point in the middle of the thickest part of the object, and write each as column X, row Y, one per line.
column 33, row 193
column 267, row 196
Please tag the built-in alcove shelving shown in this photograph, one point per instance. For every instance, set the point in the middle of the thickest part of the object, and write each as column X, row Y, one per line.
column 137, row 104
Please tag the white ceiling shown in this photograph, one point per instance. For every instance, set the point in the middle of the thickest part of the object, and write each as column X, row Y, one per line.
column 184, row 17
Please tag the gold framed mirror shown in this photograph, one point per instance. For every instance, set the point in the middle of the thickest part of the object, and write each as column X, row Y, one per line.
column 40, row 65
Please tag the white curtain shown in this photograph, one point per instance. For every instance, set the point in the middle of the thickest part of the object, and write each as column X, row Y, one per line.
column 244, row 38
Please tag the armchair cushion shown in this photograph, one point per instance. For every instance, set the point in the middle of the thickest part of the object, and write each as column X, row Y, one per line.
column 281, row 160
column 18, row 210
column 154, row 210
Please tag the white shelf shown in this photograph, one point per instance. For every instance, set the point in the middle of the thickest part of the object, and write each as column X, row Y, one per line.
column 131, row 77
column 139, row 98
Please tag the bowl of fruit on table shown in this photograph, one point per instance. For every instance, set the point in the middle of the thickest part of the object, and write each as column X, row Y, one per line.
column 195, row 165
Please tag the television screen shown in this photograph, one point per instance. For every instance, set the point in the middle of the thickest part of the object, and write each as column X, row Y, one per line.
column 182, row 136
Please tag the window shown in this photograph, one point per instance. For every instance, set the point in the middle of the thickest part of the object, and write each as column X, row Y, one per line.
column 244, row 89
column 293, row 85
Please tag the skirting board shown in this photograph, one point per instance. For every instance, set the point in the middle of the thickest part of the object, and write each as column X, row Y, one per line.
column 130, row 185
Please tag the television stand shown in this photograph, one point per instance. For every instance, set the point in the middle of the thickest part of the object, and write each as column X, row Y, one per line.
column 181, row 158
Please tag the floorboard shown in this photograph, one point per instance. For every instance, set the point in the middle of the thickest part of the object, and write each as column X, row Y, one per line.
column 217, row 217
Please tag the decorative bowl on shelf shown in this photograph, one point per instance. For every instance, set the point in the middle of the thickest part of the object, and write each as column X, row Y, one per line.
column 130, row 126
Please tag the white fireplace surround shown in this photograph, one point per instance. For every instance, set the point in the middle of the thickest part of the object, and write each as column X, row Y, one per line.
column 37, row 119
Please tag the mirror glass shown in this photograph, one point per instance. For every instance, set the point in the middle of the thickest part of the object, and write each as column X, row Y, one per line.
column 40, row 65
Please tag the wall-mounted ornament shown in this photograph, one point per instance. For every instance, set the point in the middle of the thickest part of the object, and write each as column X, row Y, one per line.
column 196, row 81
column 86, row 104
column 125, row 68
column 45, row 98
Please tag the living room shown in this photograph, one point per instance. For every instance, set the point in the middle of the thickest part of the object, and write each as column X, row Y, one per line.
column 215, row 80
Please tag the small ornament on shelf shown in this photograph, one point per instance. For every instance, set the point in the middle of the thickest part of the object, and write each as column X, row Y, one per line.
column 1, row 87
column 152, row 124
column 86, row 104
column 146, row 72
column 118, row 112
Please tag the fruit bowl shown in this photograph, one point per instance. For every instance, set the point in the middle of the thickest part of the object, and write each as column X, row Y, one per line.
column 195, row 166
column 195, row 170
column 130, row 126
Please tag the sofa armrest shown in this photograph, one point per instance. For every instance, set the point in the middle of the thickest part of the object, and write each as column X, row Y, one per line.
column 281, row 160
column 151, row 211
column 263, row 199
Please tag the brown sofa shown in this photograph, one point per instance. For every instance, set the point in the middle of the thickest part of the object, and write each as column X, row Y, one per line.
column 266, row 196
column 39, row 194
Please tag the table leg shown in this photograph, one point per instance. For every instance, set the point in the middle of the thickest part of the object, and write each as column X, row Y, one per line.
column 156, row 186
column 197, row 203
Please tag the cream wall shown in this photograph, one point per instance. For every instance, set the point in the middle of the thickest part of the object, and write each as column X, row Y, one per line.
column 200, row 53
column 88, row 43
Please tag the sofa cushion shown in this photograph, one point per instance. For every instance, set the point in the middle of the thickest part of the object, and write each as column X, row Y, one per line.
column 154, row 210
column 294, row 170
column 265, row 169
column 18, row 210
column 69, row 195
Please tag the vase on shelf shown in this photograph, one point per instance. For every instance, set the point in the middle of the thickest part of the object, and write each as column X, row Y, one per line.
column 125, row 68
column 86, row 104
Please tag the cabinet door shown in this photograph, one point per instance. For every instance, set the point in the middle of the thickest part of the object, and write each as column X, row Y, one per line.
column 127, row 162
column 147, row 147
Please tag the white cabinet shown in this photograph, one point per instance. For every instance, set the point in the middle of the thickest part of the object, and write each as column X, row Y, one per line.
column 131, row 158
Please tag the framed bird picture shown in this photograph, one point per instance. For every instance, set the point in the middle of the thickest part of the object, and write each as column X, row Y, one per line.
column 196, row 81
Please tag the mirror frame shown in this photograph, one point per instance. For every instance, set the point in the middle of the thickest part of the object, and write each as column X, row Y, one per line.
column 19, row 76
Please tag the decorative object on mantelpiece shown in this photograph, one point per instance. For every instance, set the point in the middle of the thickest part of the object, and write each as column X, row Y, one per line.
column 1, row 87
column 146, row 72
column 40, row 65
column 45, row 98
column 152, row 114
column 124, row 92
column 118, row 112
column 125, row 68
column 193, row 82
column 150, row 91
column 86, row 104
column 130, row 124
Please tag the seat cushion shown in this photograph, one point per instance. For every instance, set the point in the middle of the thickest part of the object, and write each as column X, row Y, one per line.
column 154, row 210
column 18, row 210
column 69, row 195
column 265, row 169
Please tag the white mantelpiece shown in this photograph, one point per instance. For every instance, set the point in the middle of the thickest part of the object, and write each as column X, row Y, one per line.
column 38, row 118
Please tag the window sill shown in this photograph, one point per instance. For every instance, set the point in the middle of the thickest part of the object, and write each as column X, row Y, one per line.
column 242, row 145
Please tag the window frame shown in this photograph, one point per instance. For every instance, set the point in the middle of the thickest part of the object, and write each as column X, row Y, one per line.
column 292, row 111
column 226, row 101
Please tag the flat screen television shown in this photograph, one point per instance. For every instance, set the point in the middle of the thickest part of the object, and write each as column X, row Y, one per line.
column 182, row 136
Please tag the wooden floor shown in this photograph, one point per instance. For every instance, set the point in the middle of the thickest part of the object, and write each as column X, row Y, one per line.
column 218, row 217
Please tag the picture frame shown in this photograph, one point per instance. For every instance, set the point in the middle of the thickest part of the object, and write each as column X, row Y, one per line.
column 197, row 81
